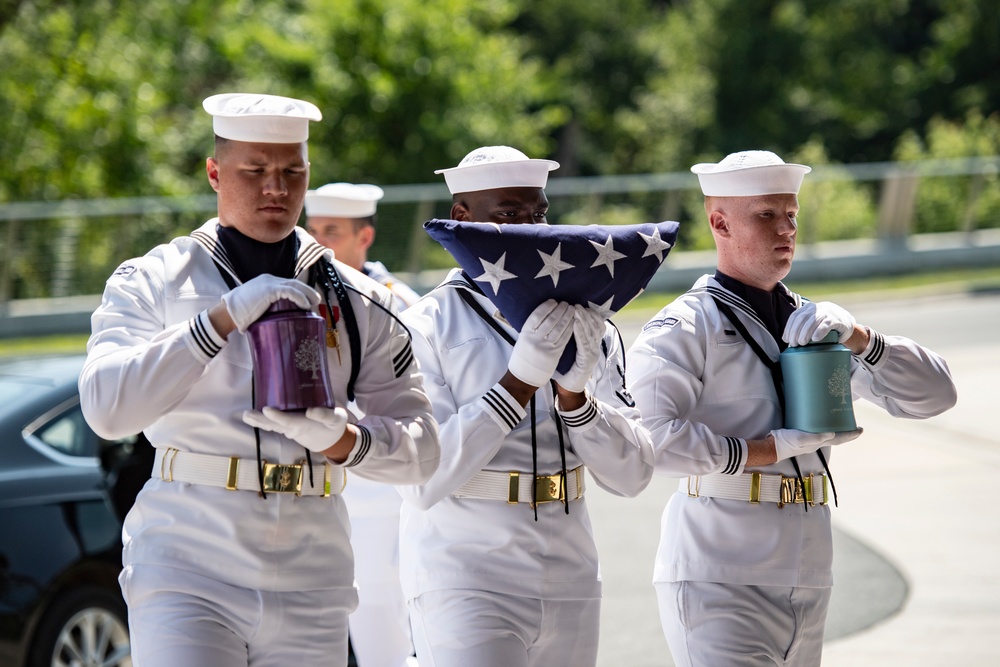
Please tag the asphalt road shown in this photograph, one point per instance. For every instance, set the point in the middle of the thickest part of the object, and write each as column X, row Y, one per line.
column 870, row 587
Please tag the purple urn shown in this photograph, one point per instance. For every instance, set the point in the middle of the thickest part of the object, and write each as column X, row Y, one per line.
column 288, row 347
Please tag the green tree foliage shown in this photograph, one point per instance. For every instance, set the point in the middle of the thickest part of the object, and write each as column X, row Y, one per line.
column 676, row 104
column 833, row 206
column 406, row 87
column 103, row 99
column 734, row 74
column 598, row 61
column 950, row 203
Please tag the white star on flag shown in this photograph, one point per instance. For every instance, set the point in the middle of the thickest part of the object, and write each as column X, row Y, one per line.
column 654, row 245
column 494, row 274
column 604, row 309
column 606, row 255
column 552, row 265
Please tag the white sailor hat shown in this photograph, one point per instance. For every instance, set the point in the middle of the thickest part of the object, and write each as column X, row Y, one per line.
column 266, row 119
column 343, row 200
column 493, row 167
column 749, row 174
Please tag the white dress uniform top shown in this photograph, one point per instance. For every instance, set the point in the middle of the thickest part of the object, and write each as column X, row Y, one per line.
column 448, row 542
column 493, row 577
column 743, row 572
column 155, row 364
column 214, row 573
column 700, row 389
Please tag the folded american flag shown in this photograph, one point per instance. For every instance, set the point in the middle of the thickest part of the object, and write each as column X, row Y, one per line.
column 520, row 266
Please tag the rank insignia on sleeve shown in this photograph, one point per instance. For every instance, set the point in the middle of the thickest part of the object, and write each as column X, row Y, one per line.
column 402, row 358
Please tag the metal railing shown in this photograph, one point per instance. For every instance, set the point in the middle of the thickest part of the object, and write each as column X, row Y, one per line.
column 63, row 249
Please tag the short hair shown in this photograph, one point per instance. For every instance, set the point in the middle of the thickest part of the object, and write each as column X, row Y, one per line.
column 220, row 144
column 361, row 223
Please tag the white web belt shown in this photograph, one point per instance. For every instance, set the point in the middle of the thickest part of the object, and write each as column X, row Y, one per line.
column 515, row 487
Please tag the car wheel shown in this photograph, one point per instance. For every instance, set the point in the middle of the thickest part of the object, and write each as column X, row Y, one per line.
column 84, row 627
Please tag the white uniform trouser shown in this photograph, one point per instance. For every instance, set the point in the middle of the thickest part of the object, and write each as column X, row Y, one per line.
column 380, row 626
column 721, row 625
column 177, row 617
column 459, row 628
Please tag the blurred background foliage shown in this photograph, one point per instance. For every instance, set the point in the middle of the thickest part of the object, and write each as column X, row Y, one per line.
column 103, row 98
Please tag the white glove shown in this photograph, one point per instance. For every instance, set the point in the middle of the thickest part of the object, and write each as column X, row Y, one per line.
column 248, row 302
column 317, row 430
column 541, row 342
column 814, row 320
column 588, row 331
column 790, row 442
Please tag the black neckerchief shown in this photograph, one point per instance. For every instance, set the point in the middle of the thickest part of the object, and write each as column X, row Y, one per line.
column 251, row 258
column 773, row 308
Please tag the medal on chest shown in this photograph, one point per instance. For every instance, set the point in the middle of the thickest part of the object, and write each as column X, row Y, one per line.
column 332, row 334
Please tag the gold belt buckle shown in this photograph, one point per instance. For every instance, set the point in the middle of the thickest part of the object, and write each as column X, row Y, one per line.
column 791, row 491
column 549, row 488
column 794, row 491
column 283, row 477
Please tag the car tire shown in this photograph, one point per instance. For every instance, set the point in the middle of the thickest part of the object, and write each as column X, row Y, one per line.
column 84, row 626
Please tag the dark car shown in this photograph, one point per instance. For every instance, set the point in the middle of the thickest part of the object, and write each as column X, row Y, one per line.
column 64, row 492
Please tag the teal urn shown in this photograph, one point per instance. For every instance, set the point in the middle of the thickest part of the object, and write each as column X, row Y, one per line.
column 817, row 386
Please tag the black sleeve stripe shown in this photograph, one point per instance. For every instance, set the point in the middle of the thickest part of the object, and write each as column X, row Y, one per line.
column 878, row 348
column 202, row 338
column 500, row 406
column 402, row 360
column 588, row 415
column 735, row 456
column 363, row 447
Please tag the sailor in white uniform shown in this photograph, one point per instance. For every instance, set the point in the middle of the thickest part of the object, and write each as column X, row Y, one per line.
column 743, row 570
column 341, row 216
column 237, row 550
column 497, row 554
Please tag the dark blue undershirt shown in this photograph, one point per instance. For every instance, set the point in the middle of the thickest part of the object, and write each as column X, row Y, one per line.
column 773, row 308
column 251, row 258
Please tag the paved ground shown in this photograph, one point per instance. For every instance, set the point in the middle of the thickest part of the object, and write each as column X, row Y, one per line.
column 917, row 537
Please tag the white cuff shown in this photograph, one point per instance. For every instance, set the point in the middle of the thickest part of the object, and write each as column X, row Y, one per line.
column 874, row 354
column 202, row 338
column 738, row 452
column 583, row 417
column 501, row 406
column 362, row 445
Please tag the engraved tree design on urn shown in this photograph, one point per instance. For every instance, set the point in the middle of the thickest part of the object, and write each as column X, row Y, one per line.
column 309, row 356
column 840, row 384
